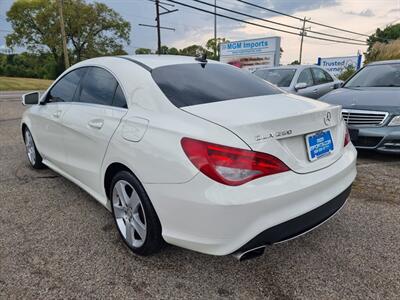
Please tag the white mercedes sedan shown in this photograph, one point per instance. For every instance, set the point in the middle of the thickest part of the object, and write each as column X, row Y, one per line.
column 192, row 152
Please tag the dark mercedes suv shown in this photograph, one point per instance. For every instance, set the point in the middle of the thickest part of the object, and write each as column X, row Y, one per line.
column 371, row 106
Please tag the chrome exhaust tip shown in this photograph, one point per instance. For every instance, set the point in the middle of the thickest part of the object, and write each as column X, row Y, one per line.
column 249, row 254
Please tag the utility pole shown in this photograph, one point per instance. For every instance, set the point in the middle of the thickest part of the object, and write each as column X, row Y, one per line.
column 302, row 39
column 215, row 28
column 64, row 39
column 303, row 33
column 158, row 24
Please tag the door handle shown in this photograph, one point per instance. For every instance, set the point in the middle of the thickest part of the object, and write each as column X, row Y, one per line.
column 315, row 91
column 97, row 123
column 57, row 114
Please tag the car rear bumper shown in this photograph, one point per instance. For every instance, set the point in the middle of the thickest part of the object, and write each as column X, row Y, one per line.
column 382, row 139
column 299, row 225
column 212, row 218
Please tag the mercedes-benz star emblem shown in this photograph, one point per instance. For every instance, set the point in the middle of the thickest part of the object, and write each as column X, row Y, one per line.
column 327, row 118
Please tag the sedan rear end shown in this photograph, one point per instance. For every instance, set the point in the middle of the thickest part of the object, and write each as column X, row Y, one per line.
column 293, row 171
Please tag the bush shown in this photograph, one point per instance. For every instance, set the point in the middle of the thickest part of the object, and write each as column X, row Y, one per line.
column 347, row 73
column 383, row 51
column 28, row 65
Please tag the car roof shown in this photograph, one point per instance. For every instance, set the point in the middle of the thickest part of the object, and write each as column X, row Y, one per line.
column 152, row 61
column 290, row 67
column 384, row 62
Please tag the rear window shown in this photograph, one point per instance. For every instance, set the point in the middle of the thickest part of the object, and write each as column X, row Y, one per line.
column 279, row 77
column 192, row 84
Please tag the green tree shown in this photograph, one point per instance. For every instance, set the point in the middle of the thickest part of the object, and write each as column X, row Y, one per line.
column 91, row 29
column 164, row 50
column 210, row 46
column 143, row 51
column 347, row 73
column 94, row 29
column 173, row 51
column 295, row 62
column 194, row 50
column 390, row 33
column 28, row 65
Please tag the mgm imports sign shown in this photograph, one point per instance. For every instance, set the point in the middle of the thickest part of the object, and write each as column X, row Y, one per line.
column 252, row 54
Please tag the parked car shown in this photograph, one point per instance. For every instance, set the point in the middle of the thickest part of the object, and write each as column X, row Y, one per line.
column 308, row 81
column 371, row 102
column 196, row 153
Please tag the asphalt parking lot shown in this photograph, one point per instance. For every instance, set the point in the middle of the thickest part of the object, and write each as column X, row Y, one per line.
column 58, row 242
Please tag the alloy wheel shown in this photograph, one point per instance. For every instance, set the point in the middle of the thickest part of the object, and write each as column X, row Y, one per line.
column 129, row 213
column 30, row 147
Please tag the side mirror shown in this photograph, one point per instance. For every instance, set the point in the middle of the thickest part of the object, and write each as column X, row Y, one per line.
column 30, row 98
column 300, row 85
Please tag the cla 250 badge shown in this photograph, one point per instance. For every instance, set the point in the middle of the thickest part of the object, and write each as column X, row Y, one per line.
column 270, row 135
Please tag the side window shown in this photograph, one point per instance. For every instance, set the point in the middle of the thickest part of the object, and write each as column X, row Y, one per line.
column 306, row 77
column 119, row 98
column 328, row 76
column 97, row 87
column 320, row 76
column 64, row 89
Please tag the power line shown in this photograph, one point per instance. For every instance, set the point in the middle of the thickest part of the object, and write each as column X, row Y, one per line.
column 300, row 19
column 262, row 26
column 277, row 23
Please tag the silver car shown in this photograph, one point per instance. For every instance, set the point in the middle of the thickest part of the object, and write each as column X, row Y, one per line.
column 371, row 106
column 306, row 80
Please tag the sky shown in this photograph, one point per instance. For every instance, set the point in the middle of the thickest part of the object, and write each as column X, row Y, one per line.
column 195, row 27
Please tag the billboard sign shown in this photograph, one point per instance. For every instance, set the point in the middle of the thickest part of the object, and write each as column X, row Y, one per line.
column 252, row 54
column 337, row 65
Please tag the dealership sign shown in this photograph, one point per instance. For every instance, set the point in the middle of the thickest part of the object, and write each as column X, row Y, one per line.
column 252, row 54
column 337, row 65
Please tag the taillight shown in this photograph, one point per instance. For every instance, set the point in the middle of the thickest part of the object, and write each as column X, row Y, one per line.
column 228, row 165
column 346, row 137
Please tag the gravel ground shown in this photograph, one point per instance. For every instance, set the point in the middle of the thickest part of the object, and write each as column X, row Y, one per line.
column 58, row 242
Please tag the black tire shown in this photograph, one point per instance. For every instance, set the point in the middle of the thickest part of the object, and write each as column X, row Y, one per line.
column 153, row 241
column 34, row 158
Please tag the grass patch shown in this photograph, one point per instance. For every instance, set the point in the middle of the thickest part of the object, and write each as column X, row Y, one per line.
column 23, row 84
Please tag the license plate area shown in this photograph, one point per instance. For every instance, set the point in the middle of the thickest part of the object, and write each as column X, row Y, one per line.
column 319, row 144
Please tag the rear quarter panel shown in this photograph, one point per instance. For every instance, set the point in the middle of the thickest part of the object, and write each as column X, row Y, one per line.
column 158, row 156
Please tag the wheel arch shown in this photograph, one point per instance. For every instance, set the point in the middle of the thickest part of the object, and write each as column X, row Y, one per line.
column 23, row 127
column 111, row 171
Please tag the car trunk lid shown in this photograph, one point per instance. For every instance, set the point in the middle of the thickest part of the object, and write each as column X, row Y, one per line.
column 278, row 125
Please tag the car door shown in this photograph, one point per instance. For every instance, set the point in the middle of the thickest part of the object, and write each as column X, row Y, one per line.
column 47, row 124
column 90, row 122
column 306, row 77
column 323, row 81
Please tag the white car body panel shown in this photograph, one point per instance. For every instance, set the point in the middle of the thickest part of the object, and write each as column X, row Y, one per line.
column 48, row 119
column 221, row 218
column 88, row 129
column 195, row 212
column 264, row 116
